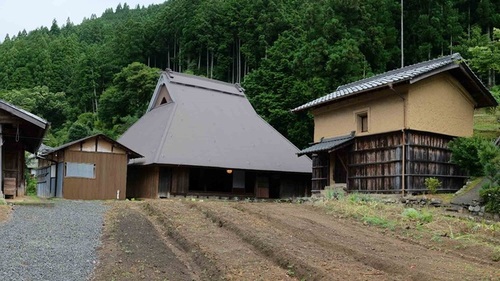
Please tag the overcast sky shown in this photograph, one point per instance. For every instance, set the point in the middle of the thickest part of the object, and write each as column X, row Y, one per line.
column 16, row 15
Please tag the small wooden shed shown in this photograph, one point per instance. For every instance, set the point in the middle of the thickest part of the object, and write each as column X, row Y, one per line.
column 92, row 168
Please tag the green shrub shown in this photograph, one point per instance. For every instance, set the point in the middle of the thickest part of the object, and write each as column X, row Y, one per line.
column 480, row 158
column 432, row 185
column 465, row 153
column 30, row 186
column 334, row 193
column 490, row 194
column 378, row 221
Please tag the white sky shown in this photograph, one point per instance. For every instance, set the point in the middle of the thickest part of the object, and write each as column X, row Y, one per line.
column 16, row 15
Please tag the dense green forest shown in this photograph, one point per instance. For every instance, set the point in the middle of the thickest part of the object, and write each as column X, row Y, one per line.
column 98, row 76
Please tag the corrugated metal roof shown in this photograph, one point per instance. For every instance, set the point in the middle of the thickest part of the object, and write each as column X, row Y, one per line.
column 327, row 144
column 32, row 130
column 210, row 124
column 407, row 73
column 21, row 113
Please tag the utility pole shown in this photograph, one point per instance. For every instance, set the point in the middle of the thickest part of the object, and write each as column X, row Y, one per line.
column 402, row 47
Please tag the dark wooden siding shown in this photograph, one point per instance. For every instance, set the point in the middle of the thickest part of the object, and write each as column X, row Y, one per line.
column 110, row 176
column 142, row 181
column 13, row 169
column 428, row 156
column 320, row 164
column 295, row 185
column 180, row 180
column 375, row 163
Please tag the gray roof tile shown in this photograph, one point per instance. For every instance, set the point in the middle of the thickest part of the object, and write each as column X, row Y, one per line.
column 327, row 144
column 393, row 76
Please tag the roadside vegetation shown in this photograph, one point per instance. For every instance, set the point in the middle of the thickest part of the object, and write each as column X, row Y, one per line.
column 432, row 227
column 480, row 158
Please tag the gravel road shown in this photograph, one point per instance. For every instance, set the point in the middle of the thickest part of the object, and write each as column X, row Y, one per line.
column 51, row 243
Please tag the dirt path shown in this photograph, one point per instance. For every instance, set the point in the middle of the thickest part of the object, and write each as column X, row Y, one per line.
column 4, row 212
column 215, row 240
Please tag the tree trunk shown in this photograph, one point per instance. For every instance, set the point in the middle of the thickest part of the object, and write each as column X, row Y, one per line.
column 212, row 66
column 199, row 60
column 175, row 54
column 239, row 60
column 180, row 57
column 168, row 57
column 468, row 23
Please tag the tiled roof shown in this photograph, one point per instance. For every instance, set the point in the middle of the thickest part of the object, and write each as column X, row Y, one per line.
column 327, row 144
column 391, row 77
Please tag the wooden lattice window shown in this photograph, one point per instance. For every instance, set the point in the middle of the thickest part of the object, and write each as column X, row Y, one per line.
column 362, row 120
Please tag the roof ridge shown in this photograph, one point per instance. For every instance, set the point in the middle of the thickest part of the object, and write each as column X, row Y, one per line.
column 452, row 57
column 171, row 74
column 386, row 78
column 351, row 135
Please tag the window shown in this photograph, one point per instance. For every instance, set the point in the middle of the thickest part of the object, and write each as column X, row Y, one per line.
column 362, row 120
column 79, row 170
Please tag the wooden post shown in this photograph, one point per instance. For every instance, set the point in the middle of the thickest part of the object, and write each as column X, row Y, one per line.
column 1, row 162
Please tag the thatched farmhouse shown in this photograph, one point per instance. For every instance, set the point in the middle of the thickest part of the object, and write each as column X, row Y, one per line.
column 202, row 137
column 390, row 132
column 19, row 131
column 92, row 168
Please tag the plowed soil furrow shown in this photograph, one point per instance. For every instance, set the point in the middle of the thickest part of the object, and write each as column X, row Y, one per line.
column 235, row 259
column 308, row 259
column 321, row 240
column 216, row 240
column 134, row 250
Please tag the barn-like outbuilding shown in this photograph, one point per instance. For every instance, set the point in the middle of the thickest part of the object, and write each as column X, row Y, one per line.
column 92, row 168
column 20, row 131
column 390, row 132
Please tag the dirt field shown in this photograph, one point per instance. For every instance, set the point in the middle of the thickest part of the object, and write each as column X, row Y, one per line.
column 217, row 240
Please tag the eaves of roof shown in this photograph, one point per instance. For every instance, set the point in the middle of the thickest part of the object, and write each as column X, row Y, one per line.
column 409, row 74
column 129, row 151
column 23, row 114
column 327, row 144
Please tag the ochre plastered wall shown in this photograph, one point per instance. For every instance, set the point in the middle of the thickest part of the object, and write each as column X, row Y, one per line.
column 440, row 104
column 385, row 114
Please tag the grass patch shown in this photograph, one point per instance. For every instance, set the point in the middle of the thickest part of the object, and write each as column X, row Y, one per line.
column 486, row 124
column 431, row 225
column 378, row 221
column 471, row 185
column 418, row 216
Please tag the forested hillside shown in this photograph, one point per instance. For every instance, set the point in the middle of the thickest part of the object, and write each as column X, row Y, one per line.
column 98, row 76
